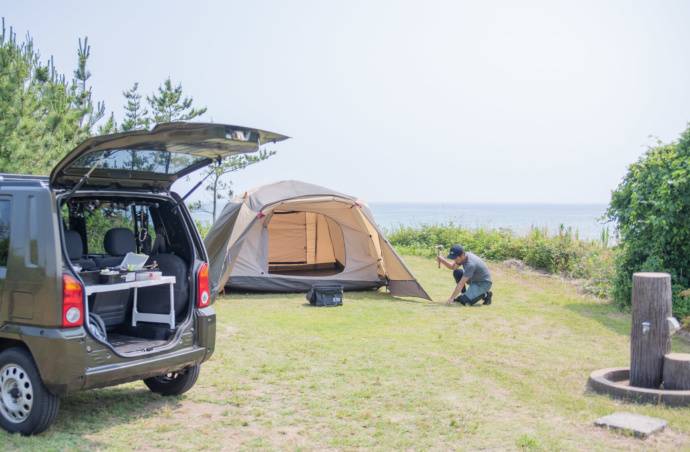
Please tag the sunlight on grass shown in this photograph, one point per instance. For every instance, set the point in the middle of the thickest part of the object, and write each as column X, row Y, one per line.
column 384, row 373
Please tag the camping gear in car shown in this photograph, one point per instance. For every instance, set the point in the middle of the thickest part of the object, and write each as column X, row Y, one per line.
column 145, row 275
column 133, row 261
column 111, row 277
column 325, row 295
column 97, row 327
column 90, row 277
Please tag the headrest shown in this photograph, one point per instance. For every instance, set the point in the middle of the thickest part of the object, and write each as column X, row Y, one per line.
column 75, row 247
column 119, row 241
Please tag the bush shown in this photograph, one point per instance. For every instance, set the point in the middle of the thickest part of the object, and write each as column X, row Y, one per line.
column 562, row 254
column 653, row 215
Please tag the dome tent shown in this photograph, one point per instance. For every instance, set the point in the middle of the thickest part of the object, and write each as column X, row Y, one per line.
column 288, row 235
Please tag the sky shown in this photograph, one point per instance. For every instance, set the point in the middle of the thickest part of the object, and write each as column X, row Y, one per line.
column 401, row 100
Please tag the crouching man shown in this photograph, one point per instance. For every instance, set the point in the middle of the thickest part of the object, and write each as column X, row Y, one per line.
column 474, row 271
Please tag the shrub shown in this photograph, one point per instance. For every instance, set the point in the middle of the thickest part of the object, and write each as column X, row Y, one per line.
column 562, row 254
column 653, row 215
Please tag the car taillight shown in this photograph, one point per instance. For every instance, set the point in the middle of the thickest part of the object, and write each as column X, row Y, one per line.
column 203, row 287
column 72, row 302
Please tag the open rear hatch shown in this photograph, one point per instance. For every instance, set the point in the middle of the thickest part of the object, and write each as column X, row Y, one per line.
column 154, row 159
column 110, row 210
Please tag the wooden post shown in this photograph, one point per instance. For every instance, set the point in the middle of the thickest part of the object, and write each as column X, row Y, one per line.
column 649, row 336
column 677, row 371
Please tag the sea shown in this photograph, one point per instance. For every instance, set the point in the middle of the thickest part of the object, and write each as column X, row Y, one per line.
column 584, row 220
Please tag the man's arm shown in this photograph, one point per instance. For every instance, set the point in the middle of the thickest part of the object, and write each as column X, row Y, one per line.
column 458, row 290
column 451, row 266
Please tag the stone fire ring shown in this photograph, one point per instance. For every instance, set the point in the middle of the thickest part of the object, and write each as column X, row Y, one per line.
column 616, row 383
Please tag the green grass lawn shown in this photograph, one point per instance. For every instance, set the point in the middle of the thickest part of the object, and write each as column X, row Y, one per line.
column 385, row 373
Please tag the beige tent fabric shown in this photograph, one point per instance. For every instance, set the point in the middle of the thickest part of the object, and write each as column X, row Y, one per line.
column 292, row 223
column 287, row 238
column 337, row 239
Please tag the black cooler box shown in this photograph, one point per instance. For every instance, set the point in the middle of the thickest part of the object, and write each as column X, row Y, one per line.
column 325, row 295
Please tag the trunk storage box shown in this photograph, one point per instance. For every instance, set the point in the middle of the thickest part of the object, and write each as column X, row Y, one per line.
column 90, row 278
column 325, row 295
column 112, row 277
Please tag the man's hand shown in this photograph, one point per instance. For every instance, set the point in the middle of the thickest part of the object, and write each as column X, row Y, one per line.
column 450, row 301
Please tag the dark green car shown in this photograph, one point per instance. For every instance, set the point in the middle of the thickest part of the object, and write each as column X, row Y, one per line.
column 103, row 275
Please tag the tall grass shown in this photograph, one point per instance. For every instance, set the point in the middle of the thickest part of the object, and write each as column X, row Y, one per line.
column 561, row 253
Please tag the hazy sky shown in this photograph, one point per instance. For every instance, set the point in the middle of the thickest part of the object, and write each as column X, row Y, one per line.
column 468, row 101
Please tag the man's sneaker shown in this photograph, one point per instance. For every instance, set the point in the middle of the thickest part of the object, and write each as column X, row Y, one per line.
column 487, row 300
column 459, row 300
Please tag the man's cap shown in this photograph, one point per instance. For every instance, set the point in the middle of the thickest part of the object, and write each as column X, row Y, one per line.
column 455, row 251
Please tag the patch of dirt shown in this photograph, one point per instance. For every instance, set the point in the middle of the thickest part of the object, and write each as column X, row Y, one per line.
column 617, row 315
column 517, row 264
column 203, row 410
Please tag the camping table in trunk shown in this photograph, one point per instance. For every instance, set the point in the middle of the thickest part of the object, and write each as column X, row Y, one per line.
column 136, row 315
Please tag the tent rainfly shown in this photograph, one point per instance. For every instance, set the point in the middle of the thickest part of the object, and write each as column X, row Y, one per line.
column 288, row 235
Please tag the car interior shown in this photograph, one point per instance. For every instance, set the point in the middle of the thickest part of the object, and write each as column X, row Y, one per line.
column 99, row 232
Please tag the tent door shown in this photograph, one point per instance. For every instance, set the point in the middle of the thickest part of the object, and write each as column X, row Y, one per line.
column 304, row 244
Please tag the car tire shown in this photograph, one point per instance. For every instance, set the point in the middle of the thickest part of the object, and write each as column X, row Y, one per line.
column 26, row 405
column 174, row 383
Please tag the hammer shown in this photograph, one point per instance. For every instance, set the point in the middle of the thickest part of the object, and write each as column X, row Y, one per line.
column 439, row 248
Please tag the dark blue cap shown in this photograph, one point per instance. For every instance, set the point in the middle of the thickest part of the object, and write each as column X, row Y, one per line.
column 456, row 251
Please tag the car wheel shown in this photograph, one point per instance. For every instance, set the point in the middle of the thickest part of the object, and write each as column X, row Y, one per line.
column 26, row 406
column 174, row 383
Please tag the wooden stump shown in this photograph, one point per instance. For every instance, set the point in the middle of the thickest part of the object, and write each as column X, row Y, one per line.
column 650, row 340
column 677, row 371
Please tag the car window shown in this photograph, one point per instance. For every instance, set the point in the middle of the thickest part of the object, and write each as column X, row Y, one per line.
column 33, row 220
column 144, row 160
column 100, row 221
column 4, row 231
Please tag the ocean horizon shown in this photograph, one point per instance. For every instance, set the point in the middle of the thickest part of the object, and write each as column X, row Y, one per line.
column 584, row 219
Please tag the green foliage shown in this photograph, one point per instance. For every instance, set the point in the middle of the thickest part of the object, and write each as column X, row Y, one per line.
column 42, row 117
column 218, row 188
column 169, row 106
column 562, row 254
column 136, row 116
column 653, row 215
column 203, row 227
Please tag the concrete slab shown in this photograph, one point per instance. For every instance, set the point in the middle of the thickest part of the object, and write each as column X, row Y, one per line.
column 637, row 424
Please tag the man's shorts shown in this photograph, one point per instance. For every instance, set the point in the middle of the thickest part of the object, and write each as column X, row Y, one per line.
column 477, row 289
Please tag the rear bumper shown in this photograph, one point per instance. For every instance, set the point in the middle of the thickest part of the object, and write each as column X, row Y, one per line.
column 195, row 346
column 139, row 369
column 68, row 361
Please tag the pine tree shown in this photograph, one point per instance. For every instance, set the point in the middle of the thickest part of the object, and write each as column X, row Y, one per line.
column 136, row 116
column 91, row 113
column 168, row 105
column 42, row 117
column 220, row 189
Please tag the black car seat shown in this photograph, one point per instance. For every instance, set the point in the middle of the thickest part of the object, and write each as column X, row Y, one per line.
column 156, row 300
column 117, row 243
column 159, row 242
column 75, row 251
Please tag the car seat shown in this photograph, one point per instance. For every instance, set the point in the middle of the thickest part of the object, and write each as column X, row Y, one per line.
column 156, row 300
column 75, row 251
column 117, row 243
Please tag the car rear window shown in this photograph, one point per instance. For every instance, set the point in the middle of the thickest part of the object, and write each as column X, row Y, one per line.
column 139, row 160
column 4, row 231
